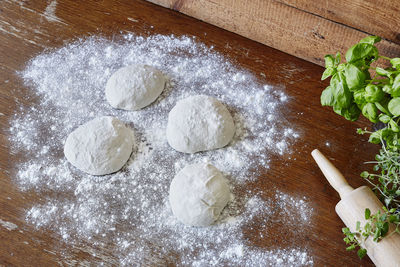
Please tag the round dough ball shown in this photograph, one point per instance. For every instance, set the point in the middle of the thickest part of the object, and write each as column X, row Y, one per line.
column 100, row 146
column 198, row 194
column 134, row 87
column 199, row 123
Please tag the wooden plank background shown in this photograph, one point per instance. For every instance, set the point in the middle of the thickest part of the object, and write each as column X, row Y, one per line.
column 305, row 29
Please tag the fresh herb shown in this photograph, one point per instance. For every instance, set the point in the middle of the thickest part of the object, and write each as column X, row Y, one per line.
column 353, row 91
column 386, row 182
column 377, row 226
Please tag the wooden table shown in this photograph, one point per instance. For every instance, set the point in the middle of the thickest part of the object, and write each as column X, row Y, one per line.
column 25, row 31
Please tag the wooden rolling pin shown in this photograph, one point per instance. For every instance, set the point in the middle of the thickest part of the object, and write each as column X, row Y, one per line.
column 351, row 208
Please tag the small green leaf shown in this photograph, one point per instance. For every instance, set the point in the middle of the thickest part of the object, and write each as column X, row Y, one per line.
column 337, row 59
column 395, row 62
column 341, row 67
column 394, row 106
column 394, row 92
column 370, row 111
column 359, row 97
column 387, row 89
column 373, row 93
column 361, row 253
column 384, row 118
column 383, row 72
column 371, row 40
column 340, row 91
column 354, row 77
column 327, row 73
column 367, row 213
column 363, row 51
column 327, row 98
column 375, row 137
column 394, row 126
column 364, row 174
column 329, row 61
column 351, row 113
column 396, row 83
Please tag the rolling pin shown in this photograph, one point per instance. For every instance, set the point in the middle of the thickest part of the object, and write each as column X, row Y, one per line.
column 351, row 208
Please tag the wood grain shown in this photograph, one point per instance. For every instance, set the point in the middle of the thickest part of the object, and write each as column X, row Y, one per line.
column 281, row 26
column 379, row 17
column 25, row 31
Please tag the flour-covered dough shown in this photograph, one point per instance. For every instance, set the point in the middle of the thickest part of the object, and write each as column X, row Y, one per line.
column 199, row 123
column 134, row 87
column 100, row 146
column 198, row 194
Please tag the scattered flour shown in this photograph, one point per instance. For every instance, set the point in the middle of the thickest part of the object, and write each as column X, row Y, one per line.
column 130, row 208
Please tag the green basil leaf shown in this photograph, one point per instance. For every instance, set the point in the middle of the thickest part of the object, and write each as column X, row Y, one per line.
column 394, row 92
column 373, row 93
column 395, row 62
column 394, row 126
column 327, row 98
column 328, row 72
column 337, row 59
column 383, row 105
column 359, row 97
column 396, row 83
column 394, row 106
column 387, row 89
column 351, row 113
column 329, row 61
column 384, row 118
column 370, row 111
column 340, row 91
column 375, row 137
column 354, row 77
column 362, row 51
column 370, row 40
column 383, row 72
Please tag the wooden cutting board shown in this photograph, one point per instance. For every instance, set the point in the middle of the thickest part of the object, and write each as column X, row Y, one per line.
column 25, row 31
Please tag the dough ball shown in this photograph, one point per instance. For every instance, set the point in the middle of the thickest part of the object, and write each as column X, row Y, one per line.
column 100, row 146
column 198, row 194
column 134, row 87
column 199, row 123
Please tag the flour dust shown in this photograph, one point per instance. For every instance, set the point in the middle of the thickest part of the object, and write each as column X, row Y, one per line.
column 129, row 209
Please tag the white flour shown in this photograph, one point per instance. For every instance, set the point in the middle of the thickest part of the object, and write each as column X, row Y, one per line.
column 130, row 209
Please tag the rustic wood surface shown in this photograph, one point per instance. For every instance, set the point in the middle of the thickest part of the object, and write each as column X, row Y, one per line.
column 306, row 29
column 371, row 16
column 26, row 30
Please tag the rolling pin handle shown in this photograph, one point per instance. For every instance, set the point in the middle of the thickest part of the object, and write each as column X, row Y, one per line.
column 333, row 175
